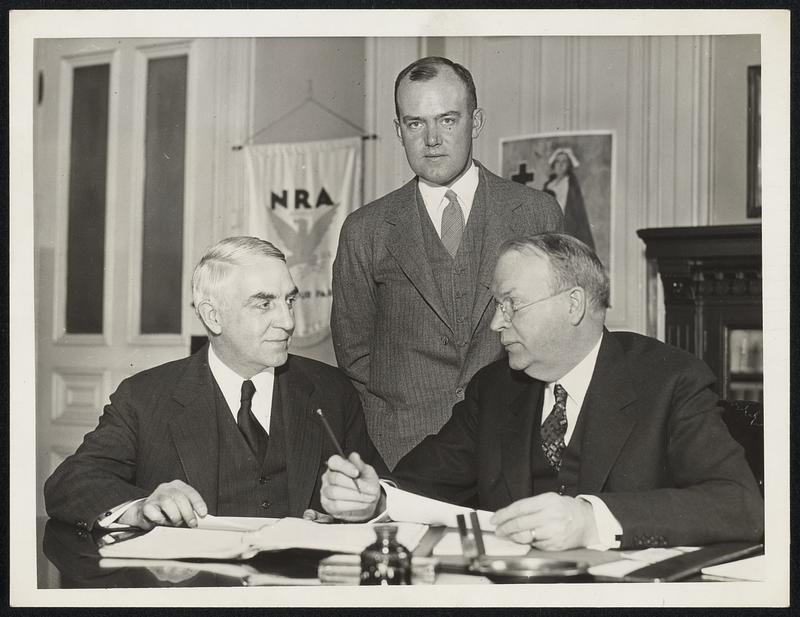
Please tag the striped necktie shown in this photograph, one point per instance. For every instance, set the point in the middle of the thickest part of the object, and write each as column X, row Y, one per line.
column 452, row 224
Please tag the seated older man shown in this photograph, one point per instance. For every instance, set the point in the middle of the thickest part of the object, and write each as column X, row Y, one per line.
column 582, row 437
column 231, row 430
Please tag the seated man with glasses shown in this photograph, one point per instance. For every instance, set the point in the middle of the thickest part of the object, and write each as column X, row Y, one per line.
column 582, row 436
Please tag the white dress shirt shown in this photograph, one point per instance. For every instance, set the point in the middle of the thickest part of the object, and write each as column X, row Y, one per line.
column 576, row 383
column 435, row 202
column 230, row 383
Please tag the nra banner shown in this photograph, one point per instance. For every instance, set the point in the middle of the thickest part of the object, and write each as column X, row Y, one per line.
column 299, row 195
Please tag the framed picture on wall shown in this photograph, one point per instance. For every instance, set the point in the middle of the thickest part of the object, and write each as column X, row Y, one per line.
column 574, row 167
column 754, row 141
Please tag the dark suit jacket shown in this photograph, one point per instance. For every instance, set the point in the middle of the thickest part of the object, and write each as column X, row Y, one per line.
column 161, row 425
column 654, row 447
column 391, row 331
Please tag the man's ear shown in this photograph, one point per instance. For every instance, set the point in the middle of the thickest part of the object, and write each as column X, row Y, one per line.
column 577, row 305
column 478, row 120
column 210, row 316
column 397, row 130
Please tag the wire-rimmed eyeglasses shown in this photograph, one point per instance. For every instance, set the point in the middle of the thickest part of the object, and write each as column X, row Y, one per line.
column 508, row 309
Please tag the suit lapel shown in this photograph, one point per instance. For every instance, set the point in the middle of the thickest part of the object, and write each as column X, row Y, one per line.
column 502, row 222
column 407, row 246
column 609, row 415
column 299, row 401
column 515, row 438
column 193, row 427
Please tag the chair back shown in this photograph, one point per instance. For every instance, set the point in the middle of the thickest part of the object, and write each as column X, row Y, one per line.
column 745, row 420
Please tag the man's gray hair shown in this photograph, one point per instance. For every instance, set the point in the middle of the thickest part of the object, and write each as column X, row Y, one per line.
column 218, row 261
column 572, row 264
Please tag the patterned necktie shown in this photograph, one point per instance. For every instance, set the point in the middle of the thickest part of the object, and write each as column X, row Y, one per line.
column 452, row 224
column 554, row 428
column 252, row 431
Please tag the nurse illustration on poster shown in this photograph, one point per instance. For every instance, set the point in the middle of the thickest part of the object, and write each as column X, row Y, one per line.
column 564, row 186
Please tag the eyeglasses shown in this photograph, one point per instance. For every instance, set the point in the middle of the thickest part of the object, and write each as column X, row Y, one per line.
column 508, row 310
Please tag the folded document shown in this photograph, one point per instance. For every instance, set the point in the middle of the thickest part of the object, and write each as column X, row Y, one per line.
column 287, row 533
column 404, row 506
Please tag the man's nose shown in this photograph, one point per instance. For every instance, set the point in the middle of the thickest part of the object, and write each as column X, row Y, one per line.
column 285, row 319
column 498, row 322
column 432, row 135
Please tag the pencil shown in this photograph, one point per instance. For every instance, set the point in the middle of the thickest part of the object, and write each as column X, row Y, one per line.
column 335, row 441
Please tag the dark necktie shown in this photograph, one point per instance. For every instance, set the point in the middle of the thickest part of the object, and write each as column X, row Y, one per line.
column 452, row 224
column 254, row 434
column 554, row 428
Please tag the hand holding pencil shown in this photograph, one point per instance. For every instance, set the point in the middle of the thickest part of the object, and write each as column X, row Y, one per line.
column 350, row 488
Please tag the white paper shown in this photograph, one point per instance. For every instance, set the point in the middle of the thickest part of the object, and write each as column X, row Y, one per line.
column 186, row 543
column 450, row 544
column 340, row 538
column 750, row 569
column 654, row 555
column 404, row 506
column 183, row 543
column 234, row 523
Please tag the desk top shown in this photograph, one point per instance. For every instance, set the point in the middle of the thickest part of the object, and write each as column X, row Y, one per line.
column 69, row 559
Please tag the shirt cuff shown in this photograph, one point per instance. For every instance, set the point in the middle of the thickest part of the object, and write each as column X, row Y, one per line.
column 383, row 517
column 110, row 518
column 608, row 527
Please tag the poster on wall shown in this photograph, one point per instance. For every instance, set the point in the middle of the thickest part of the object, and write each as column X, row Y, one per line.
column 576, row 168
column 299, row 196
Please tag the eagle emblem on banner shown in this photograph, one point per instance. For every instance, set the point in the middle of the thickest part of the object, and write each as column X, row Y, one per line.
column 300, row 194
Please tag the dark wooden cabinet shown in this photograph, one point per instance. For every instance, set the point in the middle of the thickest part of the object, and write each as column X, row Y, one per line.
column 711, row 279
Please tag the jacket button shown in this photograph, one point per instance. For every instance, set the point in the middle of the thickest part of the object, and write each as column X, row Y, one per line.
column 562, row 490
column 265, row 505
column 459, row 392
column 460, row 319
column 263, row 480
column 444, row 340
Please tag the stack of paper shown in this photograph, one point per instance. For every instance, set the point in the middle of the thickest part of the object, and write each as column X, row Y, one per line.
column 234, row 523
column 199, row 543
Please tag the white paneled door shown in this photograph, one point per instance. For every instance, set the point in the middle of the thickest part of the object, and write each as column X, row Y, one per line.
column 118, row 130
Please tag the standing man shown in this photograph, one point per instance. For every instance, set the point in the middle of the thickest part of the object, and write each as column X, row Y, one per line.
column 231, row 430
column 411, row 299
column 581, row 437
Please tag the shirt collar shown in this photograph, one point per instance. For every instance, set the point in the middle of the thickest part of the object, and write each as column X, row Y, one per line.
column 230, row 382
column 464, row 188
column 576, row 381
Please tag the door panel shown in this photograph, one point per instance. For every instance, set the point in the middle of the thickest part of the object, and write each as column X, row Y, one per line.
column 89, row 227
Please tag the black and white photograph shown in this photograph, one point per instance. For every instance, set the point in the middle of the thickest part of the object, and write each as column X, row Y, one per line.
column 332, row 308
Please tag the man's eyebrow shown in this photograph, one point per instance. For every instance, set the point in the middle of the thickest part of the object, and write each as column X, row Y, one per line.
column 452, row 112
column 261, row 296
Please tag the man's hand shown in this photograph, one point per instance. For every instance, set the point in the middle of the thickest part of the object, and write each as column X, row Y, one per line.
column 339, row 496
column 317, row 517
column 172, row 504
column 549, row 521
